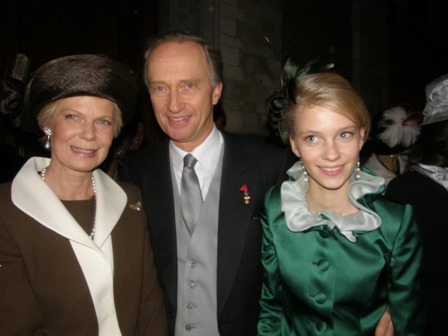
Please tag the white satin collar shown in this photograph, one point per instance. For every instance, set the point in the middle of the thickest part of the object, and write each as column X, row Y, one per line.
column 33, row 196
column 298, row 218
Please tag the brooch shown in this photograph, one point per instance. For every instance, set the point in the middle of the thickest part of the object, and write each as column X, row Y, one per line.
column 246, row 196
column 137, row 206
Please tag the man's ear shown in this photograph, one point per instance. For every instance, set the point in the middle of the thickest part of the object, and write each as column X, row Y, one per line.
column 217, row 91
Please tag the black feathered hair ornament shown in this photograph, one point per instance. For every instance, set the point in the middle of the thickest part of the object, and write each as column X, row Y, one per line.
column 12, row 89
column 278, row 102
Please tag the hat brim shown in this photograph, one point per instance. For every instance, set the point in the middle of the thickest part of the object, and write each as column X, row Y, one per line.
column 80, row 75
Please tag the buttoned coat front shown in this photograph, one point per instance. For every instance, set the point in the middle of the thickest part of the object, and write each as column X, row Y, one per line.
column 43, row 282
column 246, row 162
column 318, row 282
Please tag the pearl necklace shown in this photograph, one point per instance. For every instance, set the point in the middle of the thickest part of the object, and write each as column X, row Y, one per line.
column 92, row 233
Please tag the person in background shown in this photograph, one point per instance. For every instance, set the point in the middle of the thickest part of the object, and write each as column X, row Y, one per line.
column 129, row 141
column 394, row 130
column 425, row 187
column 336, row 254
column 9, row 150
column 16, row 145
column 75, row 256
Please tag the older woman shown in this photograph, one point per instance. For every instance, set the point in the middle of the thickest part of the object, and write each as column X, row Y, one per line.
column 336, row 254
column 75, row 257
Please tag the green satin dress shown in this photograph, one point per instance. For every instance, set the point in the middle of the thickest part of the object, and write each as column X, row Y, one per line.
column 327, row 274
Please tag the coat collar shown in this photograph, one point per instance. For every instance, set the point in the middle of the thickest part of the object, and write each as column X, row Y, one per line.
column 234, row 215
column 33, row 196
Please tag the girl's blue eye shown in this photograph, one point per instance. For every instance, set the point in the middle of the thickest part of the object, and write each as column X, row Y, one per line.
column 311, row 138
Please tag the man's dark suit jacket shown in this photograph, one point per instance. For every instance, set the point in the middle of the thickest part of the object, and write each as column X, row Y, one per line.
column 246, row 162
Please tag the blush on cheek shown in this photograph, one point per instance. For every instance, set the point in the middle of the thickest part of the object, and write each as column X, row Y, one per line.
column 108, row 144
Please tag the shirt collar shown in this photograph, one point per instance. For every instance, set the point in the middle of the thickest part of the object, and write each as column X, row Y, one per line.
column 206, row 153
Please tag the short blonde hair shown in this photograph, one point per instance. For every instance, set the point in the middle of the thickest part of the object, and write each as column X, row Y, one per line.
column 47, row 112
column 331, row 91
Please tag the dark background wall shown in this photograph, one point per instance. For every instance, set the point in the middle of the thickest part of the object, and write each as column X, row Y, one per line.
column 46, row 29
column 389, row 49
column 418, row 32
column 318, row 29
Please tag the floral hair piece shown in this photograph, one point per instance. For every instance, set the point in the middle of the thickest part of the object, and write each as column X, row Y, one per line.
column 394, row 129
column 278, row 102
column 398, row 127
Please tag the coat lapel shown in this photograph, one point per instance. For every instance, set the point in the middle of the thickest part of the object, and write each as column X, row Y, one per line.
column 234, row 214
column 159, row 202
column 31, row 195
column 110, row 203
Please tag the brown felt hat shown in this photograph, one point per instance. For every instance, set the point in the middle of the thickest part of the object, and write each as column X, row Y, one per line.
column 80, row 75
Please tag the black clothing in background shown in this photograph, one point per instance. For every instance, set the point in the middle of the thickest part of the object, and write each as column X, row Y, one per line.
column 430, row 201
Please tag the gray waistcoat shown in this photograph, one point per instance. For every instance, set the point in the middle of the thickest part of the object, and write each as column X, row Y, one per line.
column 197, row 265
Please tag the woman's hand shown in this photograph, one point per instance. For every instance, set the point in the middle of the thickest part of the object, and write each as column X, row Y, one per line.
column 385, row 326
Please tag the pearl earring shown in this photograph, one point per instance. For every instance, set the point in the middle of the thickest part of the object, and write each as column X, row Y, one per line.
column 305, row 173
column 357, row 171
column 47, row 144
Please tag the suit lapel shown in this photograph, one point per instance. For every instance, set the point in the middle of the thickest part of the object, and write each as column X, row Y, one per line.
column 159, row 203
column 234, row 215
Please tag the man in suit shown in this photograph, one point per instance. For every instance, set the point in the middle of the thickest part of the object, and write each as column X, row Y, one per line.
column 211, row 277
column 217, row 295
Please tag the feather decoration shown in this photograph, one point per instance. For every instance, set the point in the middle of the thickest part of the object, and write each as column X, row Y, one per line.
column 278, row 102
column 290, row 76
column 12, row 88
column 272, row 50
column 293, row 75
column 399, row 128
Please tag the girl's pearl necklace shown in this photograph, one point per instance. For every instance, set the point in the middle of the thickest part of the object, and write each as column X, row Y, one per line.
column 92, row 233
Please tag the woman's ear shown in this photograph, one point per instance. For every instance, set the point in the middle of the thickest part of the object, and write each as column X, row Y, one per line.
column 294, row 148
column 362, row 136
column 47, row 131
